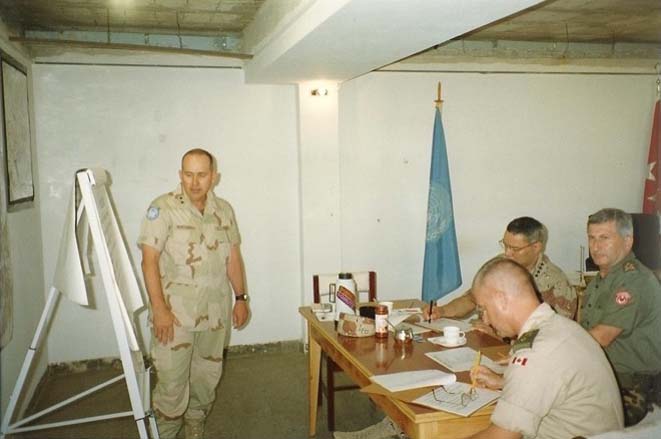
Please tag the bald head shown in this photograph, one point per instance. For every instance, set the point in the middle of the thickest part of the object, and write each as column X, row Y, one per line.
column 506, row 276
column 507, row 293
column 199, row 152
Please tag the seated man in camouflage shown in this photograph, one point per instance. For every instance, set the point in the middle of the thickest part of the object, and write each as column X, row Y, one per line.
column 559, row 383
column 622, row 310
column 524, row 242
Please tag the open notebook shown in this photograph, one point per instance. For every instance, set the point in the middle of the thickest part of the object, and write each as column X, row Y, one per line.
column 457, row 398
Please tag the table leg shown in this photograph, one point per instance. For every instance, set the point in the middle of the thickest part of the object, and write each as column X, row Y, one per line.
column 314, row 363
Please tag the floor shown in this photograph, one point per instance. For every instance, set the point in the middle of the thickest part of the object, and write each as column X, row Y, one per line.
column 262, row 395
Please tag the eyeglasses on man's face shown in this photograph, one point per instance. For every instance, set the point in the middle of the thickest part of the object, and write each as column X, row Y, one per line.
column 506, row 247
column 456, row 398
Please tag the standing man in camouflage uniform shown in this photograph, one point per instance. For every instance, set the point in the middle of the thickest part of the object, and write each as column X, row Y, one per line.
column 190, row 256
column 524, row 242
column 622, row 310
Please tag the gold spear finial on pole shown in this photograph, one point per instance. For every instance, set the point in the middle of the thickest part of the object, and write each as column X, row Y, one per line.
column 438, row 100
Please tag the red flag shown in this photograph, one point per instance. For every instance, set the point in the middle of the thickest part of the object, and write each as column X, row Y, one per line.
column 652, row 192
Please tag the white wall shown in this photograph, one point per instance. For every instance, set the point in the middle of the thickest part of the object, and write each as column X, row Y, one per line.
column 554, row 146
column 136, row 122
column 26, row 264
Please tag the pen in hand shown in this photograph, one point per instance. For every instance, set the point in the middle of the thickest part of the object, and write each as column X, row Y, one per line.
column 431, row 306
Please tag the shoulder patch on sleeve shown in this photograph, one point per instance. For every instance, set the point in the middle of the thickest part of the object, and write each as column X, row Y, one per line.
column 630, row 266
column 152, row 213
column 623, row 298
column 525, row 341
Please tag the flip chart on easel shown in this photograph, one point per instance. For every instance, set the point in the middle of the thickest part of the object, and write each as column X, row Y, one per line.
column 91, row 207
column 91, row 220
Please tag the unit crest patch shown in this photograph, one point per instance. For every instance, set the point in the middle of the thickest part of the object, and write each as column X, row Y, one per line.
column 622, row 298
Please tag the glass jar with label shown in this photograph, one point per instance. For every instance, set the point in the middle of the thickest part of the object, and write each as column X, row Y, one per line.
column 381, row 321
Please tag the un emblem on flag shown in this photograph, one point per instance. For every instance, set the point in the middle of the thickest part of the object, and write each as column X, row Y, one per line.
column 439, row 212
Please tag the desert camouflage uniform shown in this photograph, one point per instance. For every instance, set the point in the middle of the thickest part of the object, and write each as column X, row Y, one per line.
column 629, row 297
column 554, row 287
column 194, row 248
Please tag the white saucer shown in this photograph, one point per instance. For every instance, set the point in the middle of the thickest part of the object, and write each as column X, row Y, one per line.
column 441, row 341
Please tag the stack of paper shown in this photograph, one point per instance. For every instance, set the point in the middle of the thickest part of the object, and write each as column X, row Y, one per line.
column 414, row 327
column 395, row 382
column 397, row 316
column 461, row 359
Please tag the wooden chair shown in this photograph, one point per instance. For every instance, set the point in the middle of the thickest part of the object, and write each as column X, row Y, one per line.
column 366, row 286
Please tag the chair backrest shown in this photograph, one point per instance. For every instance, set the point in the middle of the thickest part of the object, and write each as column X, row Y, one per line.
column 365, row 283
column 646, row 241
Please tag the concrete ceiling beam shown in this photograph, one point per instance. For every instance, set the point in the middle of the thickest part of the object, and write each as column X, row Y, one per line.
column 343, row 39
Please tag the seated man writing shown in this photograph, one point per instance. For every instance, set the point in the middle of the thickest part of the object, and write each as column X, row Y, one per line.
column 524, row 242
column 559, row 383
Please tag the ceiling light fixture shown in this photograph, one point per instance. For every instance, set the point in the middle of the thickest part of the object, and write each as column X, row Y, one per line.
column 319, row 92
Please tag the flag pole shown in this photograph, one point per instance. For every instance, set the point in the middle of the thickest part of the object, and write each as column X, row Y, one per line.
column 441, row 271
column 438, row 100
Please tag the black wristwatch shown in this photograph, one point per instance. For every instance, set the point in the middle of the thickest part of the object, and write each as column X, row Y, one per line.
column 243, row 297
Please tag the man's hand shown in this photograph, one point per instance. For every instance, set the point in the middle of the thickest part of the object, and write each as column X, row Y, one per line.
column 485, row 377
column 239, row 313
column 436, row 312
column 164, row 321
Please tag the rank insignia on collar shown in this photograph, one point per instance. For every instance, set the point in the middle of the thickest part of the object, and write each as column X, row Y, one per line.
column 525, row 341
column 629, row 266
column 521, row 361
column 622, row 298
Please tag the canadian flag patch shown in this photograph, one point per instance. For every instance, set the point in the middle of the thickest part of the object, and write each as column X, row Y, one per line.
column 519, row 360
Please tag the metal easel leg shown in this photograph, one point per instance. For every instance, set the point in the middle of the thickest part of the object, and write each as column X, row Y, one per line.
column 27, row 363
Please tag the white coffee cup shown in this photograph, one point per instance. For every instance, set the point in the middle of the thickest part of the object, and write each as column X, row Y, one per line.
column 388, row 305
column 452, row 334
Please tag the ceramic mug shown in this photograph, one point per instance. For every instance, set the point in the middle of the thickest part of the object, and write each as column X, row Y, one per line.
column 452, row 334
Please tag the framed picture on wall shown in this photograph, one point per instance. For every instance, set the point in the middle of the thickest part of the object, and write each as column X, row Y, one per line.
column 6, row 282
column 16, row 132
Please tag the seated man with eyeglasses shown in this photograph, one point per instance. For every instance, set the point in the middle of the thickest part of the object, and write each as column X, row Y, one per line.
column 524, row 242
column 559, row 383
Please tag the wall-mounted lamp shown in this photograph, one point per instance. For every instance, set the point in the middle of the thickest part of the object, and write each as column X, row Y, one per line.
column 319, row 92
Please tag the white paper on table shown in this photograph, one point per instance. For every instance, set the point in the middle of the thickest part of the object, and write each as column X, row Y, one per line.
column 397, row 316
column 395, row 382
column 414, row 327
column 450, row 399
column 461, row 359
column 439, row 324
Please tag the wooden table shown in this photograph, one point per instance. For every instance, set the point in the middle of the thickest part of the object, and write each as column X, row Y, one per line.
column 363, row 357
